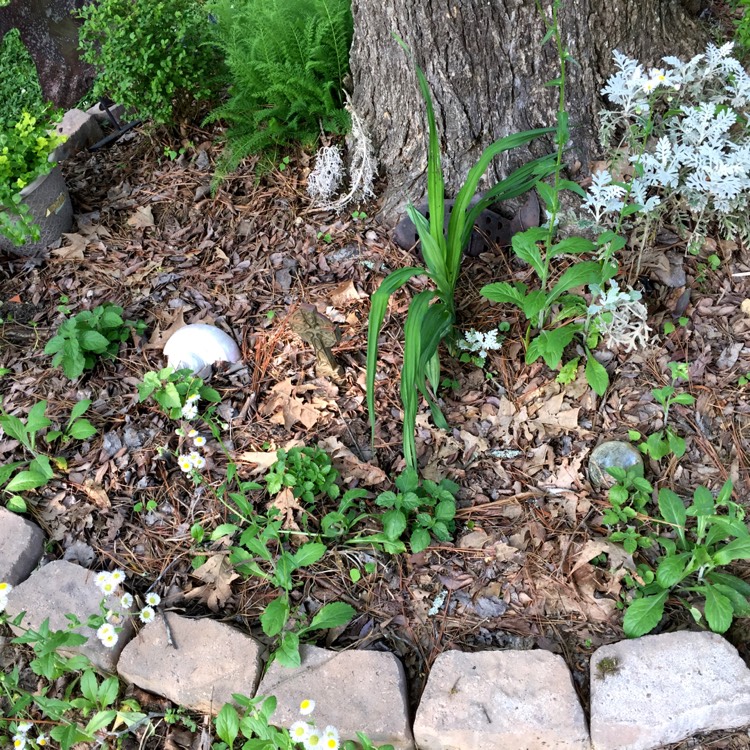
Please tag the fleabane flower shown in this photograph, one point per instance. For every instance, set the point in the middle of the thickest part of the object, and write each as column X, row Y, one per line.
column 24, row 727
column 106, row 582
column 5, row 588
column 185, row 463
column 42, row 740
column 126, row 601
column 299, row 731
column 117, row 576
column 192, row 433
column 147, row 614
column 152, row 599
column 19, row 741
column 109, row 640
column 314, row 740
column 331, row 738
column 189, row 411
column 197, row 461
column 107, row 635
column 199, row 441
column 307, row 707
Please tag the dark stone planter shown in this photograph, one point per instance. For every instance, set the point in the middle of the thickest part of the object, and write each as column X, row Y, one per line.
column 48, row 199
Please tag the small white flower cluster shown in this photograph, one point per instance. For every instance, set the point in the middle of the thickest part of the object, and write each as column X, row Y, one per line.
column 190, row 409
column 192, row 461
column 619, row 316
column 700, row 149
column 324, row 180
column 108, row 583
column 21, row 737
column 480, row 343
column 5, row 589
column 306, row 734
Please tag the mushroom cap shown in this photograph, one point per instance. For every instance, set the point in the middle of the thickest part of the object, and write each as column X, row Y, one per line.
column 199, row 345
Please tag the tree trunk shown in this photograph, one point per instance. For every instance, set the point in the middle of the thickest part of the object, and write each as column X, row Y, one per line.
column 487, row 71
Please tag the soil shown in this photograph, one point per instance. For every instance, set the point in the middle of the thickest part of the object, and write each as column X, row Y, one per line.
column 152, row 238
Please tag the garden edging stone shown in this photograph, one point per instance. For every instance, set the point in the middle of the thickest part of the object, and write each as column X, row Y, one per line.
column 21, row 547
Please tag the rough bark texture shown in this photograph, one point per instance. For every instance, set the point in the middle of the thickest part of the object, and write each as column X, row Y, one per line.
column 50, row 33
column 486, row 69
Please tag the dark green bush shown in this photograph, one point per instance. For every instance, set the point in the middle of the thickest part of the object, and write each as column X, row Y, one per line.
column 150, row 55
column 19, row 85
column 286, row 61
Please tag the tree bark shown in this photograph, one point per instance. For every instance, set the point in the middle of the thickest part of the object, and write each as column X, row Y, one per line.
column 485, row 65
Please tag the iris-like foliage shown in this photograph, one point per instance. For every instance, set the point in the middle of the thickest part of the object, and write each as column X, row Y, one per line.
column 432, row 312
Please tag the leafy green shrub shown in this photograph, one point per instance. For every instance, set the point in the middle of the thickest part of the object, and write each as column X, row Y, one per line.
column 286, row 61
column 177, row 392
column 150, row 55
column 308, row 472
column 432, row 312
column 25, row 146
column 90, row 333
column 19, row 85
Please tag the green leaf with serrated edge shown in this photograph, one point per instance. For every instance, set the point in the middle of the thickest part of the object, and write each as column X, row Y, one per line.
column 13, row 427
column 394, row 524
column 93, row 341
column 718, row 609
column 108, row 690
column 275, row 615
column 643, row 615
column 420, row 540
column 525, row 247
column 740, row 604
column 227, row 724
column 738, row 549
column 534, row 303
column 408, row 480
column 572, row 246
column 596, row 374
column 100, row 720
column 703, row 503
column 726, row 579
column 309, row 554
column 224, row 529
column 583, row 273
column 503, row 292
column 332, row 616
column 36, row 420
column 209, row 394
column 550, row 345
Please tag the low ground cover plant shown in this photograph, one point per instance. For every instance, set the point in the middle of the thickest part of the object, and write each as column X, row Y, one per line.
column 19, row 85
column 90, row 334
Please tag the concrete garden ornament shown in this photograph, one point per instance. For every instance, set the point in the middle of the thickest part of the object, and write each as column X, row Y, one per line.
column 198, row 346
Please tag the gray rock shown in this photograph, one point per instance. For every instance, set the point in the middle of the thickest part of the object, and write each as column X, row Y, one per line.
column 82, row 130
column 355, row 691
column 660, row 689
column 62, row 588
column 500, row 700
column 206, row 662
column 613, row 454
column 21, row 547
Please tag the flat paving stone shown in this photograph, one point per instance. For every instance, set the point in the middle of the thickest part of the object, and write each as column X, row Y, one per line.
column 206, row 662
column 659, row 689
column 500, row 700
column 21, row 547
column 61, row 588
column 355, row 691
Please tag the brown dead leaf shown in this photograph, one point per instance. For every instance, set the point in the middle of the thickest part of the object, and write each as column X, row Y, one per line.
column 73, row 251
column 159, row 338
column 96, row 494
column 143, row 217
column 218, row 574
column 349, row 466
column 285, row 408
column 263, row 459
column 288, row 505
column 344, row 293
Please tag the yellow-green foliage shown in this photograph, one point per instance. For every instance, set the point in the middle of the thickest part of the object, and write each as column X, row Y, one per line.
column 286, row 61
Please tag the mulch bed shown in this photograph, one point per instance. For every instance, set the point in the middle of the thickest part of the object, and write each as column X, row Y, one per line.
column 151, row 237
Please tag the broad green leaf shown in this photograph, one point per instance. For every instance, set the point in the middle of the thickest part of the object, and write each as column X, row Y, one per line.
column 718, row 610
column 93, row 341
column 550, row 345
column 671, row 570
column 738, row 549
column 672, row 510
column 89, row 685
column 16, row 504
column 288, row 652
column 26, row 480
column 228, row 724
column 703, row 503
column 6, row 470
column 643, row 615
column 407, row 480
column 332, row 616
column 547, row 194
column 534, row 303
column 502, row 291
column 573, row 246
column 81, row 429
column 36, row 420
column 420, row 540
column 40, row 464
column 742, row 587
column 13, row 427
column 526, row 248
column 100, row 720
column 275, row 615
column 394, row 524
column 224, row 529
column 79, row 409
column 584, row 273
column 68, row 734
column 740, row 604
column 309, row 554
column 572, row 186
column 108, row 690
column 596, row 374
column 72, row 359
column 209, row 394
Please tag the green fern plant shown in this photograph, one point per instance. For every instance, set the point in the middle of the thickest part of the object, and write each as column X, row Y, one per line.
column 286, row 60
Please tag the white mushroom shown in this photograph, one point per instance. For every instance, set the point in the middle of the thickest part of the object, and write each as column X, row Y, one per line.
column 197, row 346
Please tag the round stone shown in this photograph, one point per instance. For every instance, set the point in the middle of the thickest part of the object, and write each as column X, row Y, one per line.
column 613, row 454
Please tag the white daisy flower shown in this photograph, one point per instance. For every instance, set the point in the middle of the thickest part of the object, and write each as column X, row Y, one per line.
column 314, row 740
column 3, row 602
column 104, row 579
column 126, row 601
column 5, row 588
column 105, row 630
column 331, row 738
column 299, row 731
column 192, row 433
column 109, row 640
column 24, row 727
column 185, row 463
column 19, row 741
column 198, row 461
column 147, row 614
column 42, row 740
column 152, row 599
column 307, row 707
column 199, row 441
column 117, row 576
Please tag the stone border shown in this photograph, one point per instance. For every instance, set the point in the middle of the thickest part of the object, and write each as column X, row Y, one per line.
column 645, row 692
